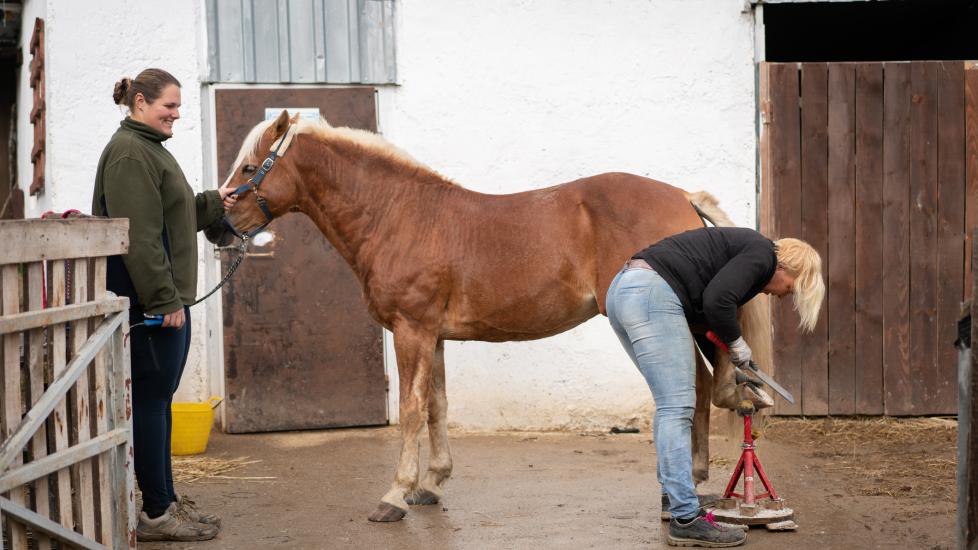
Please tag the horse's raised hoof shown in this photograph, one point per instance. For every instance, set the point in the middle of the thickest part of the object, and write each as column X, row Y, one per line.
column 757, row 396
column 421, row 497
column 386, row 513
column 745, row 408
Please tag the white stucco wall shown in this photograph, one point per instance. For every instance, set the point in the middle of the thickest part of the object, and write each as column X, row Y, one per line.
column 510, row 95
column 501, row 97
column 89, row 46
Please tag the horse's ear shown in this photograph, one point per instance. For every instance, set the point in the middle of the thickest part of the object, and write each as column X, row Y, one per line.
column 281, row 123
column 295, row 118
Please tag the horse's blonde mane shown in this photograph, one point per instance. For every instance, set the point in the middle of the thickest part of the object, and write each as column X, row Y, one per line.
column 323, row 130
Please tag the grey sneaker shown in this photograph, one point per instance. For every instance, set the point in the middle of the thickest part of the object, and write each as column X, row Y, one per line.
column 184, row 507
column 705, row 502
column 169, row 527
column 704, row 531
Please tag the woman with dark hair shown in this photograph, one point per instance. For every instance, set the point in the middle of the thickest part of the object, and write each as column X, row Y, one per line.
column 140, row 180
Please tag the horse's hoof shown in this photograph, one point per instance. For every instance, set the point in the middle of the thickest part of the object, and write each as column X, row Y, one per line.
column 386, row 513
column 422, row 497
column 745, row 408
column 757, row 396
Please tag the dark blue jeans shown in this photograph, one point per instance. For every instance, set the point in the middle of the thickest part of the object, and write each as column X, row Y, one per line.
column 158, row 357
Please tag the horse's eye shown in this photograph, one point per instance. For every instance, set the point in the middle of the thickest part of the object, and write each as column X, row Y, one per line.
column 249, row 169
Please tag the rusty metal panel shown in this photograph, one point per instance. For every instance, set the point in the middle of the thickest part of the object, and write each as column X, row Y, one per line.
column 301, row 351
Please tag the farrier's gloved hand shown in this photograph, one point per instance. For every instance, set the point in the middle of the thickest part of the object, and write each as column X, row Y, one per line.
column 740, row 353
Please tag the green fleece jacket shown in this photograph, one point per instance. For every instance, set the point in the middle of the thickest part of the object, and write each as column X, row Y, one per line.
column 140, row 180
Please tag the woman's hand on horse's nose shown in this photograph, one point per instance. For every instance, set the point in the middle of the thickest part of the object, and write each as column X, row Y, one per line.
column 229, row 201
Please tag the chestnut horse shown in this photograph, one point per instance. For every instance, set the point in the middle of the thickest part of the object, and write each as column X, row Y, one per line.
column 439, row 262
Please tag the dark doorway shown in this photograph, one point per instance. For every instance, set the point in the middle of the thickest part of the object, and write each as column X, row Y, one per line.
column 11, row 198
column 897, row 30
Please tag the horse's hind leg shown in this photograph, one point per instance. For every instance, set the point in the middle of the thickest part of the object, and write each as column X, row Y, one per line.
column 440, row 459
column 415, row 349
column 701, row 423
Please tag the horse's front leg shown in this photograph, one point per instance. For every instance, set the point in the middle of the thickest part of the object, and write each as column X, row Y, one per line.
column 415, row 349
column 440, row 458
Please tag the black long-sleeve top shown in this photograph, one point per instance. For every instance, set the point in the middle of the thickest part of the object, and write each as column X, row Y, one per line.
column 713, row 271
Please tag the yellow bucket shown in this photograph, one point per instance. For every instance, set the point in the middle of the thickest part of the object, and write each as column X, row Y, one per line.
column 192, row 426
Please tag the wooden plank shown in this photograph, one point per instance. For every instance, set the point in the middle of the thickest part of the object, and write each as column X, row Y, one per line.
column 923, row 233
column 59, row 425
column 968, row 444
column 84, row 495
column 101, row 411
column 814, row 224
column 47, row 526
column 950, row 231
column 39, row 445
column 58, row 389
column 841, row 233
column 13, row 402
column 62, row 459
column 971, row 202
column 62, row 239
column 897, row 393
column 52, row 316
column 120, row 387
column 786, row 186
column 869, row 239
column 767, row 221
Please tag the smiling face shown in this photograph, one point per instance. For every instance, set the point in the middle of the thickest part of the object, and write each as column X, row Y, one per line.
column 160, row 114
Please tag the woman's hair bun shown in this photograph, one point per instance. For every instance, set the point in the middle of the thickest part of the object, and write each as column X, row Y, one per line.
column 121, row 90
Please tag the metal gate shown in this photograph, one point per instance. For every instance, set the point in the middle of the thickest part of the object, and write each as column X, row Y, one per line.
column 66, row 459
column 874, row 165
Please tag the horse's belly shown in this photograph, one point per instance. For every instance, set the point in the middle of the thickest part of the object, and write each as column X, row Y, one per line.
column 527, row 321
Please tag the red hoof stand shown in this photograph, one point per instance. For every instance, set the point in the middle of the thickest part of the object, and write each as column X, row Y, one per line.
column 748, row 508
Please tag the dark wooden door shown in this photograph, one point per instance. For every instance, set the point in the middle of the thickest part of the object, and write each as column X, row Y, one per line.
column 300, row 349
column 873, row 164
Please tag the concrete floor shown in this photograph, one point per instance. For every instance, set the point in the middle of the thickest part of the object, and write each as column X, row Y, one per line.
column 521, row 490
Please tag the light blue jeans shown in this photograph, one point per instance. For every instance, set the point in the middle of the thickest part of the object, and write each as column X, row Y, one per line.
column 648, row 318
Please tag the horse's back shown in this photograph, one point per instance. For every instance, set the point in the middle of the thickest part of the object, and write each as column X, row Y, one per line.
column 628, row 213
column 542, row 260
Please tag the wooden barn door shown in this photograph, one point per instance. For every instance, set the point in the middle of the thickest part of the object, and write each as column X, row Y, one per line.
column 874, row 164
column 300, row 349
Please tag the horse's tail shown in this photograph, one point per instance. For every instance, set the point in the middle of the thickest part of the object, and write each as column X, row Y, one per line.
column 707, row 206
column 755, row 315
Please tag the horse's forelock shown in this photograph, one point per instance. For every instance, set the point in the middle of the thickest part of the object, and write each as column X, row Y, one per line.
column 249, row 146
